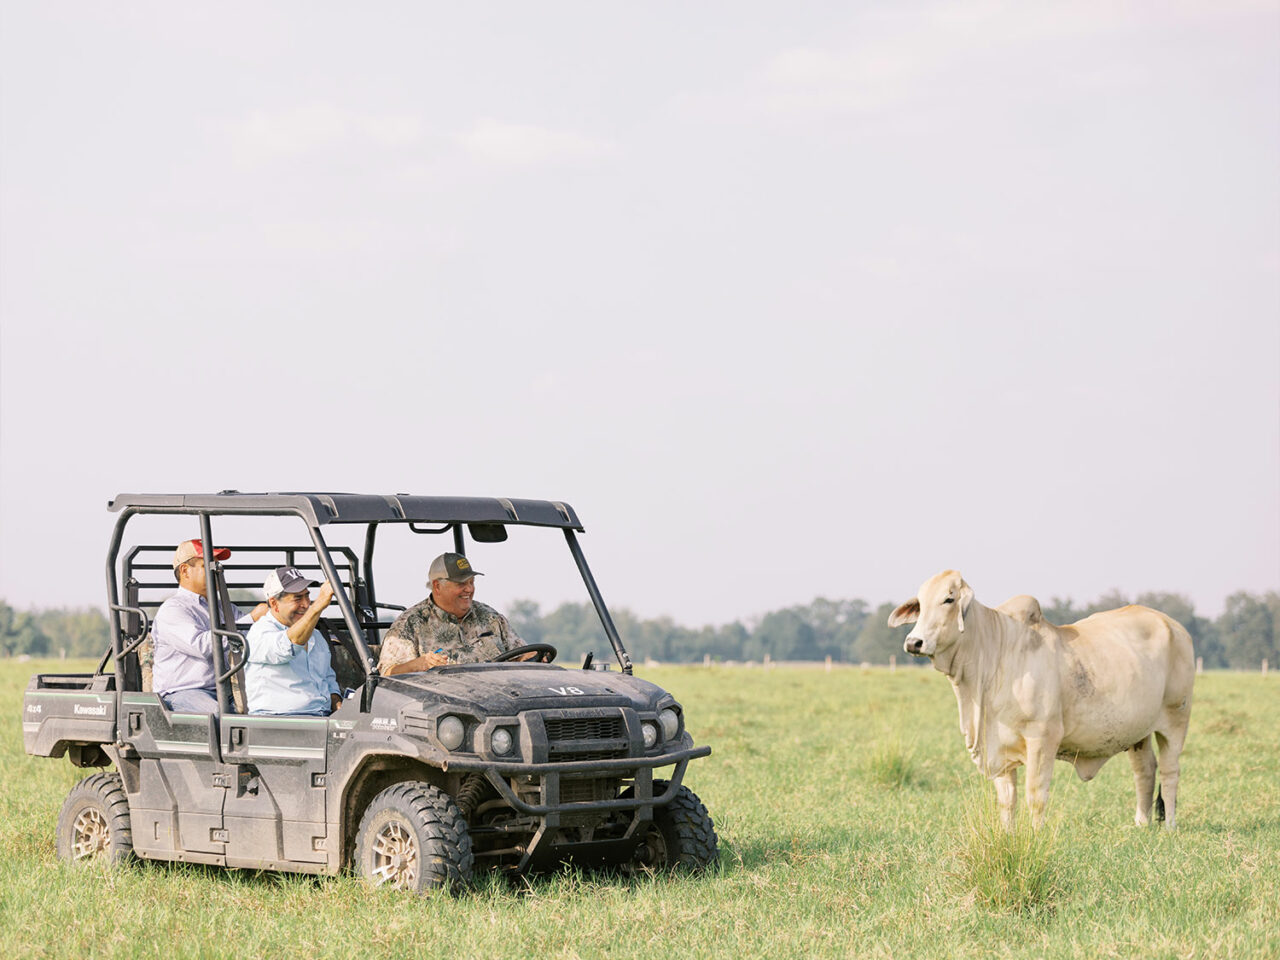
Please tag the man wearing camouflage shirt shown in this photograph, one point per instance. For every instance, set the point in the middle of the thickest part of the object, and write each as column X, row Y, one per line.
column 447, row 627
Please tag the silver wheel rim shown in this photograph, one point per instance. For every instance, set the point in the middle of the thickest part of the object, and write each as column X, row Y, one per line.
column 395, row 857
column 90, row 834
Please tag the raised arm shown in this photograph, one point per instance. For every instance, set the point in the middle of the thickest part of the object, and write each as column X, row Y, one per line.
column 302, row 628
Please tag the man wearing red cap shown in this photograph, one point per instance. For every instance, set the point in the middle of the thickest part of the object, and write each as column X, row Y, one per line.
column 183, row 635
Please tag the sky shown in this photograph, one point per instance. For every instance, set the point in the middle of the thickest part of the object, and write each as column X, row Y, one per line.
column 787, row 300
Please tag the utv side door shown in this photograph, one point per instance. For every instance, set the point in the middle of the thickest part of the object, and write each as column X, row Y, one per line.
column 275, row 809
column 177, row 785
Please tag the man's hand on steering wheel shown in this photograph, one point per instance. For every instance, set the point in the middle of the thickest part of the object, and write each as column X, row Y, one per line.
column 539, row 652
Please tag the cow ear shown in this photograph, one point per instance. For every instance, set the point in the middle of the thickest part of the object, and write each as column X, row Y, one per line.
column 966, row 595
column 909, row 612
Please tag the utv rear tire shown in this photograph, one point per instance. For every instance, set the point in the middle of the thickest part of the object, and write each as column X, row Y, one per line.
column 94, row 823
column 681, row 835
column 413, row 837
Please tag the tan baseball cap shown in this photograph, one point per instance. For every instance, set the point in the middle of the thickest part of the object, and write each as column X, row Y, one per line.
column 190, row 549
column 452, row 566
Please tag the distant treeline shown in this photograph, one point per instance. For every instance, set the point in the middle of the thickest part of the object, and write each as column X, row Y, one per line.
column 81, row 632
column 1247, row 632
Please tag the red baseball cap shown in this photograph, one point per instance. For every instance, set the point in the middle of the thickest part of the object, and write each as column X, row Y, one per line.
column 190, row 549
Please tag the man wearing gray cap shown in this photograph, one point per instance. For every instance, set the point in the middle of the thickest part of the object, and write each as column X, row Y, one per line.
column 449, row 626
column 289, row 669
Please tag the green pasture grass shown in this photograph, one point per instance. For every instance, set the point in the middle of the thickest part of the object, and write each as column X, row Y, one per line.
column 851, row 822
column 1020, row 870
column 892, row 763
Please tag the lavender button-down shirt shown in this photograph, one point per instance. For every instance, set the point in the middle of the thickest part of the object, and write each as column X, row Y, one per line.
column 183, row 637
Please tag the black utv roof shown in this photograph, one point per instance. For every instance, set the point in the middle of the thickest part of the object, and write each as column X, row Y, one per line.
column 319, row 509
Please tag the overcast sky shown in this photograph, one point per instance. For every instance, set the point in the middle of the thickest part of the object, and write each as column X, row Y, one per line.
column 787, row 299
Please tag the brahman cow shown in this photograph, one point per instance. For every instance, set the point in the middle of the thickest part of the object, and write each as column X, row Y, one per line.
column 1029, row 691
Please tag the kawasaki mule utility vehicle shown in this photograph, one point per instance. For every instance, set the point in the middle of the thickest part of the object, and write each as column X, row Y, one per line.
column 416, row 779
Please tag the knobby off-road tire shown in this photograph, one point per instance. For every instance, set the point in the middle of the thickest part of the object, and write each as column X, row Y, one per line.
column 413, row 837
column 681, row 836
column 94, row 823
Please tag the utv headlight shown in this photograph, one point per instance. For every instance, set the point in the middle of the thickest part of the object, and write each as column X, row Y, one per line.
column 501, row 741
column 450, row 731
column 670, row 721
column 650, row 730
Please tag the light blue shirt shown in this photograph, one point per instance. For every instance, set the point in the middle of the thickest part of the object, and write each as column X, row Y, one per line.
column 283, row 677
column 183, row 640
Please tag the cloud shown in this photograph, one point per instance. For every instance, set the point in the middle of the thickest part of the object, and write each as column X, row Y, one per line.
column 513, row 144
column 317, row 238
column 394, row 131
column 805, row 80
column 264, row 137
column 887, row 57
column 802, row 66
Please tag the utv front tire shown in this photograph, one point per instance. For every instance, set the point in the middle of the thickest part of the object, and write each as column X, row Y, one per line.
column 94, row 823
column 681, row 835
column 413, row 837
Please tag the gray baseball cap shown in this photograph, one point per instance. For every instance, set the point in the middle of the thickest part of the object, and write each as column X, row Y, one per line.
column 452, row 566
column 286, row 580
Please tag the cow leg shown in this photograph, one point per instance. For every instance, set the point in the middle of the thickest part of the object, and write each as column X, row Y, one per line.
column 1007, row 797
column 1040, row 756
column 1170, row 745
column 1142, row 758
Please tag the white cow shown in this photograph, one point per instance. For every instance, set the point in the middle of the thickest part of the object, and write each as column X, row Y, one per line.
column 1030, row 692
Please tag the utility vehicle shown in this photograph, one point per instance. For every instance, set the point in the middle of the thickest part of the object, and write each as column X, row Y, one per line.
column 416, row 779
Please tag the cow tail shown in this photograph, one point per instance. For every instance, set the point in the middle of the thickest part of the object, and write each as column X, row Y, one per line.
column 1159, row 806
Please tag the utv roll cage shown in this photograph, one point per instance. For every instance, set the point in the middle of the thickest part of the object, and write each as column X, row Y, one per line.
column 146, row 569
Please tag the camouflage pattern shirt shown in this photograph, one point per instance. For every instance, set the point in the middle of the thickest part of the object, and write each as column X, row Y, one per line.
column 424, row 628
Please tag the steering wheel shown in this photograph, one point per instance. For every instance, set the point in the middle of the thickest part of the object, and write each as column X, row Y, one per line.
column 545, row 653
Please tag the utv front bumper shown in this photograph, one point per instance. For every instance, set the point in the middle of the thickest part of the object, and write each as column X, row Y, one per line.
column 640, row 768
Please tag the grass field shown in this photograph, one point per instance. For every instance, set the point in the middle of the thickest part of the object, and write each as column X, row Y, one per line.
column 851, row 823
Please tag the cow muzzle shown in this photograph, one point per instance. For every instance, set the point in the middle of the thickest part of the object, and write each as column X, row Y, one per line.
column 918, row 646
